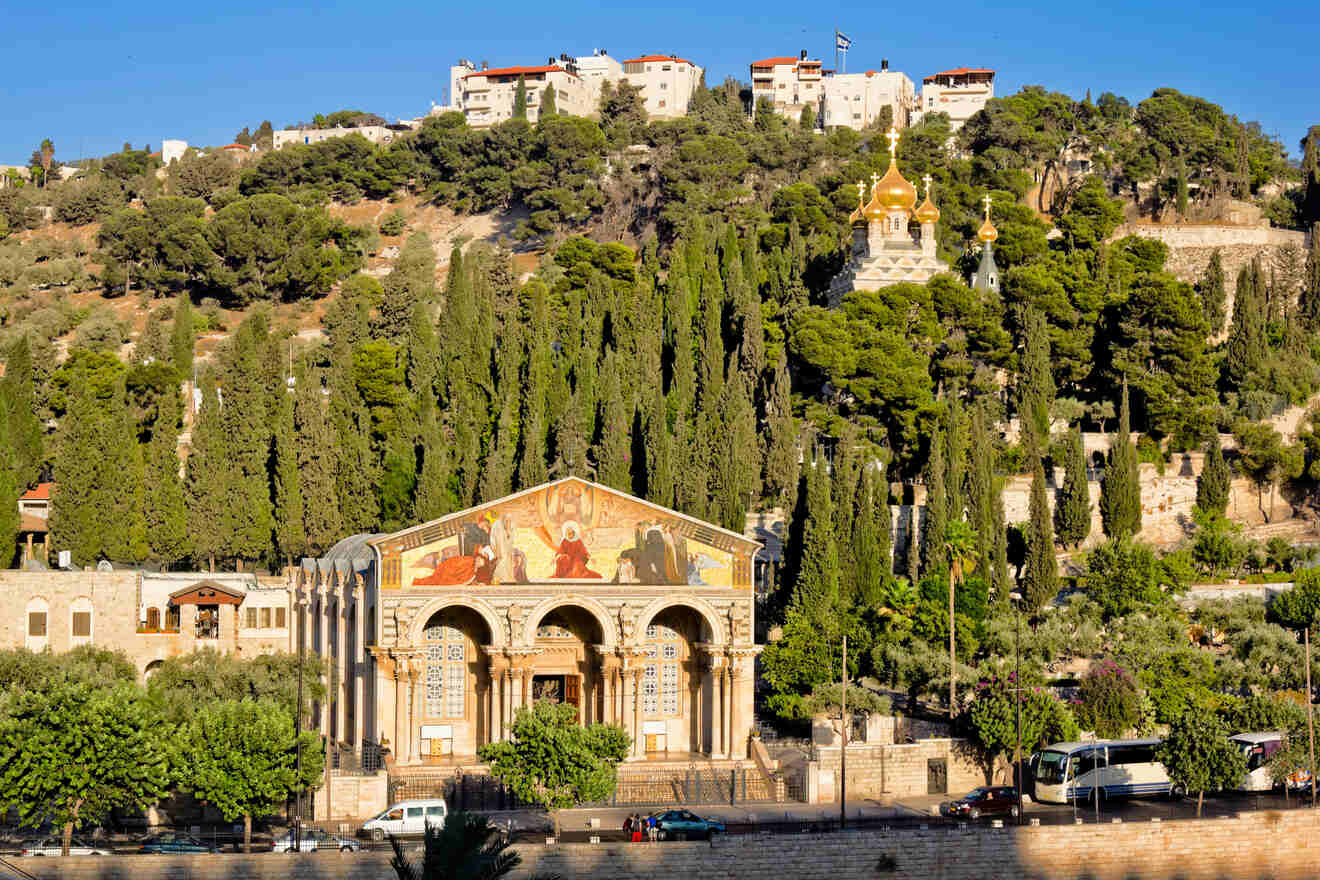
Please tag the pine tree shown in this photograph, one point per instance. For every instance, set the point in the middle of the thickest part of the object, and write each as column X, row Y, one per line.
column 290, row 511
column 520, row 98
column 1212, row 486
column 1247, row 346
column 548, row 103
column 1072, row 515
column 1035, row 390
column 1040, row 573
column 183, row 338
column 1120, row 489
column 410, row 284
column 166, row 510
column 937, row 519
column 18, row 407
column 1213, row 295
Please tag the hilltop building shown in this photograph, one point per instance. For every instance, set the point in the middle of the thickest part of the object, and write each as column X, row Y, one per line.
column 885, row 248
column 377, row 134
column 790, row 83
column 987, row 274
column 856, row 100
column 667, row 83
column 959, row 93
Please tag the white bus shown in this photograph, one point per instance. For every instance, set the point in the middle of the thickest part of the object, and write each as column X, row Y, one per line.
column 1117, row 768
column 1258, row 749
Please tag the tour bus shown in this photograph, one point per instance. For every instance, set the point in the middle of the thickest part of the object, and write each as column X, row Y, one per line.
column 1257, row 748
column 1117, row 768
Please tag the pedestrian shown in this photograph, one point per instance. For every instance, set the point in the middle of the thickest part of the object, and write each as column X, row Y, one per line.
column 627, row 824
column 636, row 828
column 652, row 829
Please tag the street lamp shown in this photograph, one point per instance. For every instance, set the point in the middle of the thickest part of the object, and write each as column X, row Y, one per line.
column 1017, row 686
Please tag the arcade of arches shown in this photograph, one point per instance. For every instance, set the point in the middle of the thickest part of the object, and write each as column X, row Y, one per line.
column 571, row 592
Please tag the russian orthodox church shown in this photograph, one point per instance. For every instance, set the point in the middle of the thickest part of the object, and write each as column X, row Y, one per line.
column 885, row 249
column 987, row 274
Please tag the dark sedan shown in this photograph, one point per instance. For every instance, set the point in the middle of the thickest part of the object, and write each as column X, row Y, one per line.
column 161, row 844
column 682, row 825
column 990, row 800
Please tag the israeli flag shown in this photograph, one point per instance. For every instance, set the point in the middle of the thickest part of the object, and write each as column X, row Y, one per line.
column 841, row 42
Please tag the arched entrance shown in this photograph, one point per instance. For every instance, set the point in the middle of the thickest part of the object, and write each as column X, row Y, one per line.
column 453, row 685
column 565, row 667
column 671, row 694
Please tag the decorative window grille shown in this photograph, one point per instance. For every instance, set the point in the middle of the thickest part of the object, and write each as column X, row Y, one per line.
column 650, row 689
column 446, row 671
column 669, row 689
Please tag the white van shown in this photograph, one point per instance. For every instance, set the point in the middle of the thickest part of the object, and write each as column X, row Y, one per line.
column 406, row 817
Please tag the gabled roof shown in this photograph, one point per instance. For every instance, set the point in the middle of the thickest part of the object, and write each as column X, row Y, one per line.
column 515, row 71
column 699, row 526
column 658, row 58
column 207, row 592
column 40, row 492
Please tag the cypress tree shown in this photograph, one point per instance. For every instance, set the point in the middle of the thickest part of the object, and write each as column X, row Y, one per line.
column 817, row 587
column 411, row 283
column 1212, row 486
column 290, row 510
column 884, row 520
column 870, row 547
column 1308, row 300
column 1120, row 488
column 207, row 479
column 999, row 579
column 912, row 557
column 780, row 475
column 1040, row 573
column 538, row 372
column 570, row 447
column 937, row 519
column 9, row 492
column 548, row 103
column 710, row 365
column 980, row 489
column 18, row 407
column 245, row 419
column 1213, row 296
column 166, row 510
column 844, row 475
column 955, row 456
column 1247, row 348
column 736, row 473
column 1072, row 515
column 183, row 338
column 435, row 494
column 355, row 467
column 613, row 447
column 660, row 477
column 152, row 346
column 121, row 491
column 76, row 522
column 1035, row 392
column 520, row 98
column 318, row 456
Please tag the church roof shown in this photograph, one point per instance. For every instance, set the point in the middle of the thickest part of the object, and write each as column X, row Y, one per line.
column 729, row 537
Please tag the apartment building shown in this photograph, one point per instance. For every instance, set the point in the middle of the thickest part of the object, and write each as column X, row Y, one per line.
column 486, row 96
column 790, row 83
column 959, row 93
column 856, row 100
column 667, row 83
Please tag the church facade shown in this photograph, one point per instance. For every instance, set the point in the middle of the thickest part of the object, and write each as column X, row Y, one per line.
column 885, row 248
column 571, row 591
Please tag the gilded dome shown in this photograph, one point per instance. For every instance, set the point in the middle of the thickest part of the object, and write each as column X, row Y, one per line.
column 894, row 192
column 987, row 232
column 875, row 209
column 928, row 213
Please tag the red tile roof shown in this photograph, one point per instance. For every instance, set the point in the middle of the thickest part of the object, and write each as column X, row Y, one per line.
column 775, row 62
column 961, row 71
column 234, row 147
column 515, row 71
column 658, row 58
column 40, row 493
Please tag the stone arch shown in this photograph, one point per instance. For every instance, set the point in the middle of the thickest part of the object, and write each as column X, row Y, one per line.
column 151, row 669
column 609, row 630
column 712, row 618
column 439, row 603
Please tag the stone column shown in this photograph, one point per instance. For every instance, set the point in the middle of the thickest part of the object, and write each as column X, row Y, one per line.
column 629, row 682
column 499, row 672
column 341, row 663
column 527, row 687
column 639, row 741
column 506, row 698
column 609, row 664
column 414, row 745
column 739, row 667
column 359, row 667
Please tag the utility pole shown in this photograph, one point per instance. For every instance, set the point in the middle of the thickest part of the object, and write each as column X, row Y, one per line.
column 297, row 736
column 1017, row 686
column 843, row 750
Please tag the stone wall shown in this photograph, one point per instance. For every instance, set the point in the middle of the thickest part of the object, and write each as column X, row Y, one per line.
column 896, row 771
column 1253, row 847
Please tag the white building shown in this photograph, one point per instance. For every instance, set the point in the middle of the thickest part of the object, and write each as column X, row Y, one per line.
column 791, row 84
column 377, row 134
column 855, row 100
column 959, row 93
column 667, row 83
column 486, row 96
column 171, row 150
column 596, row 69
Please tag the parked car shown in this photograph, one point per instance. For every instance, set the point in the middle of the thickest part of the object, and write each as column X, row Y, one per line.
column 990, row 800
column 171, row 843
column 315, row 840
column 54, row 846
column 406, row 817
column 680, row 825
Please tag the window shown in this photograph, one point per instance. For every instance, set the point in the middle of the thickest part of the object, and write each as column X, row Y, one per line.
column 251, row 616
column 857, row 116
column 666, row 67
column 37, row 624
column 415, row 812
column 662, row 102
column 664, row 85
column 153, row 618
column 265, row 618
column 650, row 689
column 82, row 624
column 446, row 670
column 280, row 620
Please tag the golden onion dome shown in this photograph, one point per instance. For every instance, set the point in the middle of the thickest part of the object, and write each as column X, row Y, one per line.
column 928, row 213
column 895, row 192
column 987, row 232
column 875, row 209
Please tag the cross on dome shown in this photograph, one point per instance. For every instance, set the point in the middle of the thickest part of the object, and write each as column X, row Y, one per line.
column 875, row 178
column 861, row 190
column 928, row 180
column 986, row 202
column 893, row 141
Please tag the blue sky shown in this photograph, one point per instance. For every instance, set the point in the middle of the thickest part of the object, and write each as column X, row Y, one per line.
column 92, row 75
